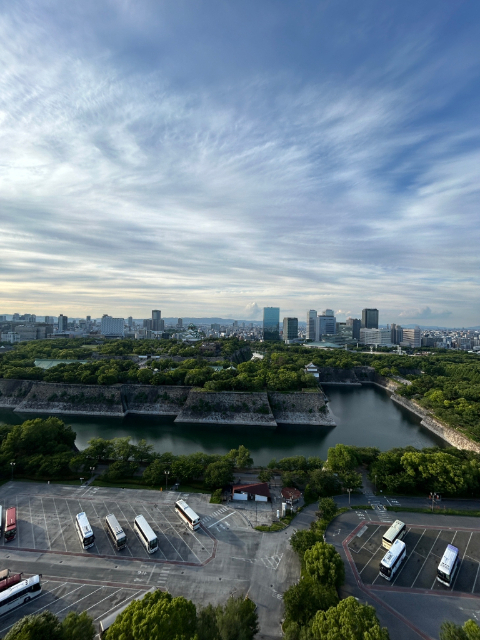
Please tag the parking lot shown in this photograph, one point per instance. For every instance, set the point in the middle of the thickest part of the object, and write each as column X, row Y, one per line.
column 61, row 597
column 47, row 523
column 425, row 546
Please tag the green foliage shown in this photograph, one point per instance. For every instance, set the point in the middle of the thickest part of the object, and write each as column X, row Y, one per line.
column 327, row 508
column 265, row 475
column 218, row 474
column 451, row 631
column 324, row 564
column 349, row 619
column 156, row 615
column 341, row 458
column 76, row 626
column 305, row 598
column 216, row 497
column 409, row 470
column 237, row 619
column 305, row 539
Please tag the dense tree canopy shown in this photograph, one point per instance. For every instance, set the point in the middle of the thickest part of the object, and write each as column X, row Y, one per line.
column 349, row 619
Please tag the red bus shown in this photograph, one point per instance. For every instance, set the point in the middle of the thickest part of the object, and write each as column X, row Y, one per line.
column 10, row 523
column 7, row 580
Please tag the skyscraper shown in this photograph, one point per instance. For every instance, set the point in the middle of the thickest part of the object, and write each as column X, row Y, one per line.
column 271, row 323
column 156, row 320
column 311, row 317
column 356, row 326
column 290, row 328
column 369, row 318
column 62, row 323
column 325, row 325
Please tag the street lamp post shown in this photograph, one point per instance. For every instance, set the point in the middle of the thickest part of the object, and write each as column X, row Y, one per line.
column 81, row 481
column 92, row 469
column 12, row 464
column 167, row 473
column 375, row 484
column 349, row 492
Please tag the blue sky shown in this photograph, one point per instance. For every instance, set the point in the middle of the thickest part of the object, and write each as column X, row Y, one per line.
column 212, row 158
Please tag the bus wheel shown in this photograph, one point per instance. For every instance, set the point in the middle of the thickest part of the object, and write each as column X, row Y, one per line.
column 27, row 599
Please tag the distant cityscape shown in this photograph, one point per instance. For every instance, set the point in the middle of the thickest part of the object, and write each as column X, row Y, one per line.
column 319, row 330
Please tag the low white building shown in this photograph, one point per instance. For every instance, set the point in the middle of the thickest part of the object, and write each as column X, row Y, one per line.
column 112, row 326
column 379, row 337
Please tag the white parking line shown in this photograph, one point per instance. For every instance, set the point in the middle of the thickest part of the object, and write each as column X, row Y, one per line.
column 410, row 555
column 476, row 576
column 461, row 563
column 166, row 538
column 224, row 518
column 45, row 520
column 31, row 522
column 45, row 593
column 434, row 542
column 116, row 606
column 59, row 523
column 110, row 595
column 77, row 601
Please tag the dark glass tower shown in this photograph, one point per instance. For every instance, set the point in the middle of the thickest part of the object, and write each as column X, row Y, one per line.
column 271, row 323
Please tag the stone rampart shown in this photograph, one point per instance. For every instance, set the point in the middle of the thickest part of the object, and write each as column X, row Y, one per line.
column 149, row 400
column 307, row 408
column 227, row 407
column 52, row 398
column 12, row 392
column 450, row 435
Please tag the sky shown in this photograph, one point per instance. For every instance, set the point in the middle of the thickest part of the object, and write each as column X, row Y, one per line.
column 213, row 157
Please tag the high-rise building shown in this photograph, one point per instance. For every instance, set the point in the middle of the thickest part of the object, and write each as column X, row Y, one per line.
column 130, row 322
column 157, row 320
column 3, row 318
column 397, row 333
column 413, row 337
column 311, row 318
column 180, row 322
column 380, row 337
column 271, row 323
column 62, row 323
column 325, row 325
column 328, row 312
column 369, row 318
column 88, row 318
column 49, row 320
column 290, row 328
column 15, row 317
column 356, row 326
column 112, row 326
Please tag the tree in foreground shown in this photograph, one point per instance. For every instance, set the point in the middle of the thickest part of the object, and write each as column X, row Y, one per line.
column 349, row 619
column 237, row 619
column 76, row 626
column 157, row 615
column 324, row 564
column 451, row 631
column 304, row 599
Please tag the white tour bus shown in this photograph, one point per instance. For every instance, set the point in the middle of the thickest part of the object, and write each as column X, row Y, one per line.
column 84, row 530
column 392, row 560
column 396, row 532
column 448, row 566
column 116, row 532
column 146, row 534
column 187, row 514
column 20, row 593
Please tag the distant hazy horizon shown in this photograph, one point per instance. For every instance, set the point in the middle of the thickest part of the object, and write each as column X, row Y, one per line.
column 222, row 157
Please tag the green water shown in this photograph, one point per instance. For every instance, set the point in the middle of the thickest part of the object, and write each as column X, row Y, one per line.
column 365, row 416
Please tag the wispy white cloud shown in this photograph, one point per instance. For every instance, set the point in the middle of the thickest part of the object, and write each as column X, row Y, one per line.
column 127, row 186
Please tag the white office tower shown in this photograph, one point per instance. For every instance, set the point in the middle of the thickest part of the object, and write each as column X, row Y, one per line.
column 112, row 326
column 413, row 337
column 380, row 337
column 311, row 318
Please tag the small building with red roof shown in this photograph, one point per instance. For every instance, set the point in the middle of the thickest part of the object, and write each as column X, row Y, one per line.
column 258, row 491
column 290, row 494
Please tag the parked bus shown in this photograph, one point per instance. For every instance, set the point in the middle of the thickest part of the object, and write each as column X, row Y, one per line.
column 84, row 530
column 146, row 534
column 392, row 560
column 10, row 524
column 448, row 566
column 105, row 624
column 20, row 593
column 187, row 514
column 116, row 532
column 7, row 580
column 396, row 532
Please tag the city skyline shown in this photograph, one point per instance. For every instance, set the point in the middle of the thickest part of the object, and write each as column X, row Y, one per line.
column 231, row 157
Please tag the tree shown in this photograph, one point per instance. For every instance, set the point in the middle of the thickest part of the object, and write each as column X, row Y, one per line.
column 154, row 474
column 207, row 627
column 349, row 619
column 37, row 627
column 305, row 539
column 451, row 631
column 78, row 626
column 237, row 619
column 265, row 475
column 218, row 474
column 306, row 597
column 327, row 508
column 243, row 457
column 324, row 563
column 157, row 615
column 341, row 458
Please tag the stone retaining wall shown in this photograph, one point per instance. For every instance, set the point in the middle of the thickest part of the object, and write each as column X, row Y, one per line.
column 227, row 407
column 300, row 408
column 150, row 400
